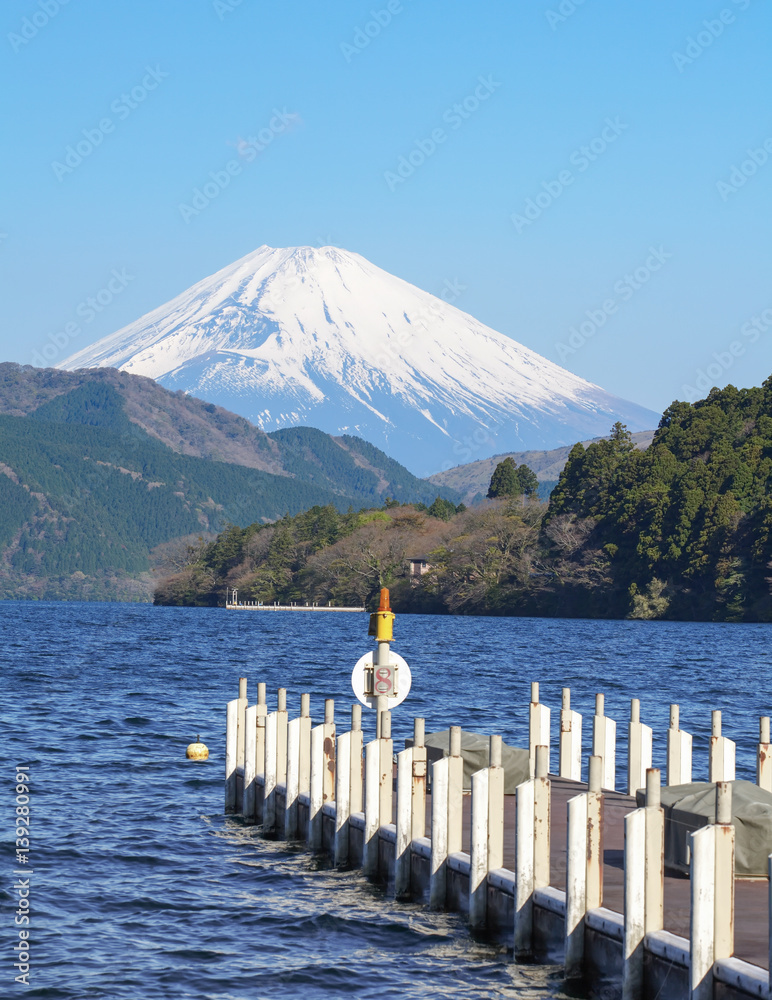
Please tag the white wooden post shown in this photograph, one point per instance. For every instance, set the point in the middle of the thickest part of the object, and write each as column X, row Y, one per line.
column 231, row 736
column 478, row 860
column 439, row 857
column 604, row 742
column 455, row 792
column 495, row 805
column 712, row 895
column 634, row 905
column 654, row 853
column 293, row 772
column 644, row 882
column 386, row 772
column 542, row 808
column 570, row 740
column 723, row 946
column 538, row 726
column 584, row 869
column 418, row 792
column 639, row 749
column 262, row 711
column 702, row 919
column 769, row 918
column 524, row 867
column 722, row 753
column 404, row 824
column 679, row 751
column 356, row 802
column 304, row 746
column 282, row 721
column 328, row 749
column 269, row 789
column 249, row 799
column 241, row 730
column 594, row 883
column 317, row 788
column 342, row 799
column 372, row 806
column 532, row 849
column 764, row 756
column 576, row 886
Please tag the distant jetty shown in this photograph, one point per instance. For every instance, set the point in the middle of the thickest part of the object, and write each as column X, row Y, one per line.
column 257, row 606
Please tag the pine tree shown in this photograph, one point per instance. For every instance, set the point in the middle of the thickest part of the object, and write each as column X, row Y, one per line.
column 509, row 480
column 505, row 481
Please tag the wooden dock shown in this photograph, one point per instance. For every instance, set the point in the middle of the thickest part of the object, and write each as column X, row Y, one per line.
column 564, row 871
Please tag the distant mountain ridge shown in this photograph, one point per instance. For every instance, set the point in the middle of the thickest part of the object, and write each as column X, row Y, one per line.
column 472, row 479
column 91, row 500
column 322, row 337
column 346, row 465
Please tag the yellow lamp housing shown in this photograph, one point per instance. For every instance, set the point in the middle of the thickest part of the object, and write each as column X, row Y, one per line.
column 382, row 625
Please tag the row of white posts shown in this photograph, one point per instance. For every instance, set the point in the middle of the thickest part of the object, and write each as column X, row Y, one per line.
column 336, row 774
column 721, row 756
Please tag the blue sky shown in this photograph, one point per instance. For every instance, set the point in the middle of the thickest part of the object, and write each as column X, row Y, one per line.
column 580, row 171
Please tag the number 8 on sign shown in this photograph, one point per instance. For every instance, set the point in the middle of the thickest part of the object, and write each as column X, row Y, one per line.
column 384, row 680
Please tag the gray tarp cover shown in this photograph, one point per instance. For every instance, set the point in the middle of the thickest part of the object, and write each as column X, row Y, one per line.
column 689, row 807
column 475, row 750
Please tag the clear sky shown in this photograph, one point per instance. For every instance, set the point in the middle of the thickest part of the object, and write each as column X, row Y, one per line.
column 557, row 163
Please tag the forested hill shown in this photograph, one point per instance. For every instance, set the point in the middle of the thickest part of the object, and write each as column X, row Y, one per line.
column 686, row 524
column 344, row 465
column 91, row 503
column 682, row 530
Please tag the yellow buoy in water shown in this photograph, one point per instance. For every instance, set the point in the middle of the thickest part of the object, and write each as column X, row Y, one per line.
column 197, row 750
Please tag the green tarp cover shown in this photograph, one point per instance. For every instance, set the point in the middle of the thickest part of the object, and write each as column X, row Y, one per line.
column 475, row 751
column 689, row 807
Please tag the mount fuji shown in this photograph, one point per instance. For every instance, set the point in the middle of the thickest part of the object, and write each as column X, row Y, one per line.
column 321, row 336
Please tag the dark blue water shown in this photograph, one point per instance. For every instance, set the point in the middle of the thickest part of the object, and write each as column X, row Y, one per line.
column 142, row 889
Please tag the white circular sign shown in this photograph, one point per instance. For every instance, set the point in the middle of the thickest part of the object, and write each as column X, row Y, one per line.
column 404, row 680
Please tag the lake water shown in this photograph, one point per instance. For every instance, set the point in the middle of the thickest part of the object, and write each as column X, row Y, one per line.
column 142, row 889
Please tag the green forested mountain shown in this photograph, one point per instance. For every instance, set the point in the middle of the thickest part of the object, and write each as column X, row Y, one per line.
column 687, row 524
column 351, row 464
column 345, row 465
column 87, row 495
column 682, row 530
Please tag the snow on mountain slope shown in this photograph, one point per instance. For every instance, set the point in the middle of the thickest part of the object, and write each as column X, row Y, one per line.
column 323, row 337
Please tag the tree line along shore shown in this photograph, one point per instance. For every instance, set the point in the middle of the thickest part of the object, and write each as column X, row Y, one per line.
column 681, row 530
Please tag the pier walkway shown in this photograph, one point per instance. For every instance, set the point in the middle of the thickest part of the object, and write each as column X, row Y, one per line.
column 563, row 871
column 752, row 895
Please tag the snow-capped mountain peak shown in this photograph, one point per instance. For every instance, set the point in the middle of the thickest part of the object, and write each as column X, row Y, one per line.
column 321, row 336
